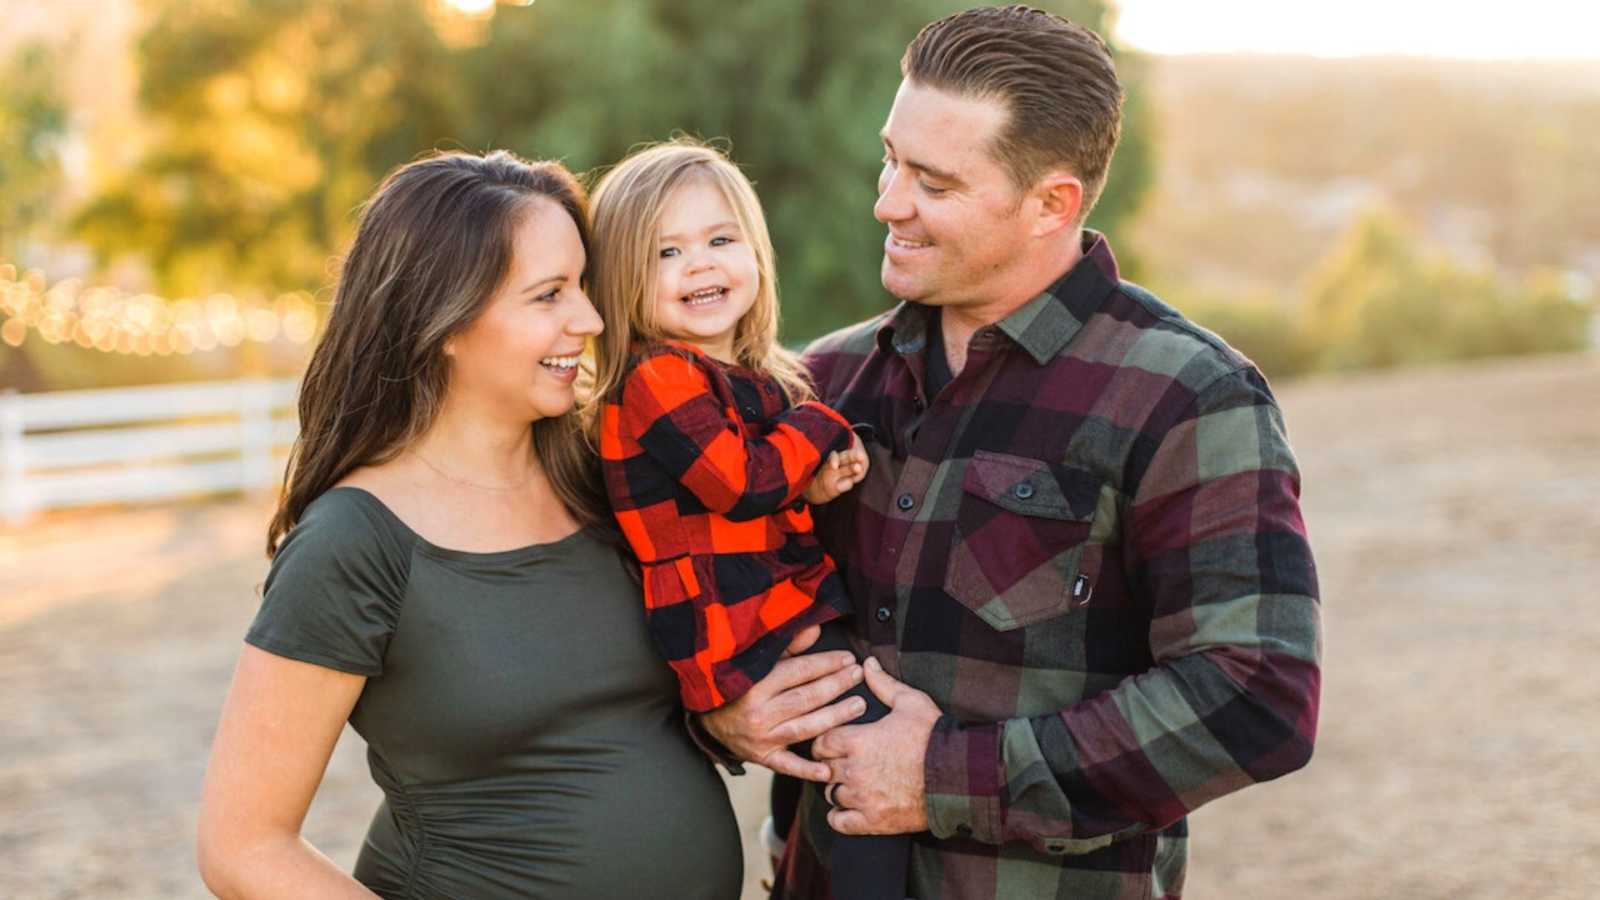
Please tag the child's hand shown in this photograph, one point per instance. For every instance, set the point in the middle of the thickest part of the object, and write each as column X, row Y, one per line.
column 843, row 470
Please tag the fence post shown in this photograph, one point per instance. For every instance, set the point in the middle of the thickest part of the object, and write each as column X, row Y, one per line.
column 13, row 500
column 255, row 430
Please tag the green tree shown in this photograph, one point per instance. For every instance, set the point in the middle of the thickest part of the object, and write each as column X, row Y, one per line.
column 277, row 117
column 33, row 121
column 270, row 121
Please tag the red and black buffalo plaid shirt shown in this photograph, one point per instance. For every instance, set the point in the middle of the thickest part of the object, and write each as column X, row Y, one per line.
column 705, row 463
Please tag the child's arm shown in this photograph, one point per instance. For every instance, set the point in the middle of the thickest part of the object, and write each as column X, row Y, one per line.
column 668, row 407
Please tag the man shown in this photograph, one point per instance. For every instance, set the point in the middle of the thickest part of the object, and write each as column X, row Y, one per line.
column 1078, row 550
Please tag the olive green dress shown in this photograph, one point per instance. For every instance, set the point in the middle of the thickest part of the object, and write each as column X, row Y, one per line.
column 519, row 720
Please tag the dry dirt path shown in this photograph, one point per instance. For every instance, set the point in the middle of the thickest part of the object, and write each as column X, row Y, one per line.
column 1456, row 519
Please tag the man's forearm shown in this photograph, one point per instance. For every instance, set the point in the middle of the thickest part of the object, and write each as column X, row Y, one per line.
column 1137, row 757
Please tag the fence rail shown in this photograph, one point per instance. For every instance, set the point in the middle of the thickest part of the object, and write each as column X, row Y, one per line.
column 75, row 448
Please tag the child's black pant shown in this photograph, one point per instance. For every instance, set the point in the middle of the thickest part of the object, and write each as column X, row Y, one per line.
column 861, row 867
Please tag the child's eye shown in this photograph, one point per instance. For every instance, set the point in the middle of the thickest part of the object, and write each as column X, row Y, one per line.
column 721, row 241
column 668, row 252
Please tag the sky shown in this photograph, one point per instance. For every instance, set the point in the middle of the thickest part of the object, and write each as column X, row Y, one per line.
column 1472, row 29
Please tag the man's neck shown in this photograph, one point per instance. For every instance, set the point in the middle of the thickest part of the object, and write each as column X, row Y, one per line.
column 1031, row 277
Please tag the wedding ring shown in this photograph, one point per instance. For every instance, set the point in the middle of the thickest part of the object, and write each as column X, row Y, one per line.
column 828, row 792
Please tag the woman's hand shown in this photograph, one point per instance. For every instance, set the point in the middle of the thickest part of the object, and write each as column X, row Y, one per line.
column 843, row 470
column 788, row 706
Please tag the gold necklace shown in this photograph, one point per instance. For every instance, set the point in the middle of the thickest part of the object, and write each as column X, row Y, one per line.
column 472, row 484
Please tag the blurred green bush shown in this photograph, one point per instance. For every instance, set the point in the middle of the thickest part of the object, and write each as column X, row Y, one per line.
column 1383, row 299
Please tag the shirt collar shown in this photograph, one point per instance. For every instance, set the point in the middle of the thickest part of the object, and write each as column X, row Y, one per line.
column 1043, row 325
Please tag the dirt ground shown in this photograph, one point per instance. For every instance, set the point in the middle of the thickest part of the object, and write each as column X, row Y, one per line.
column 1455, row 514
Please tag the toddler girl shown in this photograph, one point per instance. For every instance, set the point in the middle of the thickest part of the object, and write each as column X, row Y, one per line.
column 712, row 444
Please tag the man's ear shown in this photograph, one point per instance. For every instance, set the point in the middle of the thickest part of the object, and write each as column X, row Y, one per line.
column 1060, row 196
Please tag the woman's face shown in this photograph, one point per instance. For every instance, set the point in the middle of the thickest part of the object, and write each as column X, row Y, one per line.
column 521, row 353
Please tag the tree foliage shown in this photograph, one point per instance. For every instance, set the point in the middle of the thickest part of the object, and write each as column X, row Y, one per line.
column 33, row 120
column 273, row 118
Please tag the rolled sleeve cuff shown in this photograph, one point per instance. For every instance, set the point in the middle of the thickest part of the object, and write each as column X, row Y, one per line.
column 962, row 774
column 710, row 746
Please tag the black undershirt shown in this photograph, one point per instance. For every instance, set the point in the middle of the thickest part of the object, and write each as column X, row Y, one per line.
column 936, row 363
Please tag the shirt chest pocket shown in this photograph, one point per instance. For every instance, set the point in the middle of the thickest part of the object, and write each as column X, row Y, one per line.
column 1022, row 552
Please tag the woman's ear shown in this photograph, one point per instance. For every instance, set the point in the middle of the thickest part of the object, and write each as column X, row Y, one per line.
column 1060, row 196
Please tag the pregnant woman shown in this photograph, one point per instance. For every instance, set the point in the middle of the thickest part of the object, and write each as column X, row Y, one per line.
column 442, row 579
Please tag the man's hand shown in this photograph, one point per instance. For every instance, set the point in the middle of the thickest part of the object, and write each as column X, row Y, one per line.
column 878, row 767
column 788, row 706
column 843, row 470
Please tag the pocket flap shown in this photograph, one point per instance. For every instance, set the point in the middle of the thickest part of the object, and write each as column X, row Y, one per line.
column 1032, row 487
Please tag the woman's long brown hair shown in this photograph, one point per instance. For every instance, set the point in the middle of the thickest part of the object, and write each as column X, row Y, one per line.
column 434, row 243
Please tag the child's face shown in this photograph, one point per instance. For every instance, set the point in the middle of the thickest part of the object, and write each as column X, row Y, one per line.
column 706, row 276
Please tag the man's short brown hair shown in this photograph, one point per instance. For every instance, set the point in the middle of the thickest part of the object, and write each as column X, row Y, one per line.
column 1055, row 77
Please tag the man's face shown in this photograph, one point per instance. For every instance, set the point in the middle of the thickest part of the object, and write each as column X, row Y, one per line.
column 956, row 228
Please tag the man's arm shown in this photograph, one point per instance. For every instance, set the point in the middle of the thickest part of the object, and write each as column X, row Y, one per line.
column 1217, row 542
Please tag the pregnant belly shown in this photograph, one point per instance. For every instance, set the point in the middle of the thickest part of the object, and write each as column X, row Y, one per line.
column 588, row 825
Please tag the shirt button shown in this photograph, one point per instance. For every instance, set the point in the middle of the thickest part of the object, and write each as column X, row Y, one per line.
column 916, row 403
column 884, row 613
column 1056, row 847
column 1023, row 491
column 905, row 501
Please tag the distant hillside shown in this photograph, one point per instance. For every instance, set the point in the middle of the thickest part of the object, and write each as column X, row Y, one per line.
column 1264, row 161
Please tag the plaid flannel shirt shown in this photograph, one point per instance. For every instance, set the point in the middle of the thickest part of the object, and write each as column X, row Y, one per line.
column 704, row 463
column 1088, row 550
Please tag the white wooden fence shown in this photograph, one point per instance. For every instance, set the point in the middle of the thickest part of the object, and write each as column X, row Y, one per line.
column 74, row 448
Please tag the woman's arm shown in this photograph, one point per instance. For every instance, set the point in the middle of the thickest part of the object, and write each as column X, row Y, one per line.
column 279, row 725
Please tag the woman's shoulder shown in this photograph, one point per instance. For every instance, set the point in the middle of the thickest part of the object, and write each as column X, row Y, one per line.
column 349, row 525
column 337, row 584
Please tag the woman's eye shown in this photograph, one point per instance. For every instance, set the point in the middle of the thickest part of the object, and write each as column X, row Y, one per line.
column 668, row 252
column 549, row 295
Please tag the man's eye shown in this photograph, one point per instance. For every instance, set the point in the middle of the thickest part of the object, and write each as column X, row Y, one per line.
column 668, row 252
column 933, row 191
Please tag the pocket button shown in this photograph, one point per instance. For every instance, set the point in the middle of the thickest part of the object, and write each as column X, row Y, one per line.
column 905, row 501
column 1023, row 491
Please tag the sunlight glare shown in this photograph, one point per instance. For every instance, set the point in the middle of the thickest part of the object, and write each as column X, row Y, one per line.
column 471, row 7
column 1472, row 29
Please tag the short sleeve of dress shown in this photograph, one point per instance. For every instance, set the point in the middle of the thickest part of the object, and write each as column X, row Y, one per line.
column 335, row 589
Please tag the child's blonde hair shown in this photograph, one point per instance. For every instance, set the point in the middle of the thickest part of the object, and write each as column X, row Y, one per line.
column 628, row 203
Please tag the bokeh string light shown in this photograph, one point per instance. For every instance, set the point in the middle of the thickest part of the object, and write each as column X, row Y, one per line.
column 113, row 321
